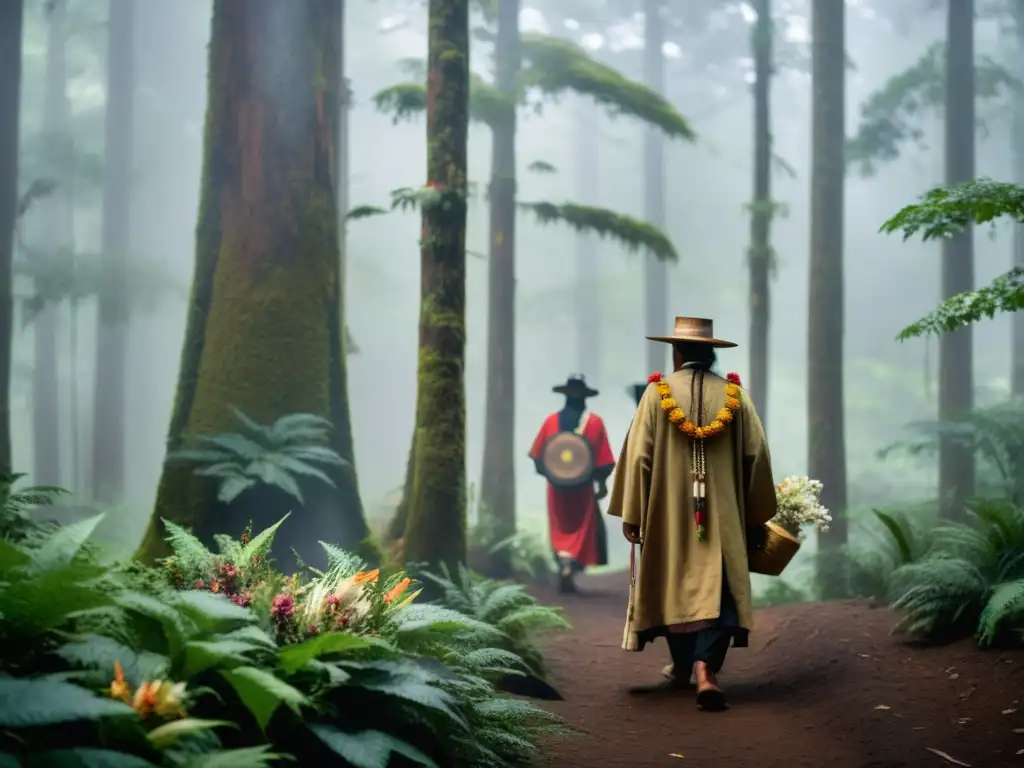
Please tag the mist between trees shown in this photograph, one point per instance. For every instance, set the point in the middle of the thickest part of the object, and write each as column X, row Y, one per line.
column 737, row 166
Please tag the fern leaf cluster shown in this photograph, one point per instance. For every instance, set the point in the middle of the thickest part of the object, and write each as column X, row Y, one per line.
column 281, row 455
column 971, row 579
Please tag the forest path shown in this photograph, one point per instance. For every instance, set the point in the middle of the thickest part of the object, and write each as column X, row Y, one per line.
column 821, row 685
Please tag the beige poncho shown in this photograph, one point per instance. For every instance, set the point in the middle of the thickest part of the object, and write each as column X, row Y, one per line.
column 679, row 578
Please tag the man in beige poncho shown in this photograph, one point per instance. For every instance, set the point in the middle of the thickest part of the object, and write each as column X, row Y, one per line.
column 693, row 487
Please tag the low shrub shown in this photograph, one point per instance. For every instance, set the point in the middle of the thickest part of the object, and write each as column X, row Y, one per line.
column 970, row 580
column 216, row 659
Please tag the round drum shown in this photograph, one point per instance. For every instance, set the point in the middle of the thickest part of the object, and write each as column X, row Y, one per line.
column 568, row 460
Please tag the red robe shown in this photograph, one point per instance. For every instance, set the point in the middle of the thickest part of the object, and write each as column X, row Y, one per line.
column 573, row 516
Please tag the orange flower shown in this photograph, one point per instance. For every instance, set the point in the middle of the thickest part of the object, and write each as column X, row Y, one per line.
column 366, row 577
column 668, row 403
column 119, row 688
column 676, row 415
column 397, row 590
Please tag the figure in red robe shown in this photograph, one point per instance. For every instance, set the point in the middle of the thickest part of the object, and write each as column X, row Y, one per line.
column 578, row 536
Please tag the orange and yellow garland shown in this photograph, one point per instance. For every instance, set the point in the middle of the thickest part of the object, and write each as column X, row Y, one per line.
column 722, row 419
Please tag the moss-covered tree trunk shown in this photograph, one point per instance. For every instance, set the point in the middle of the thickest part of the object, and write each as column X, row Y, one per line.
column 759, row 258
column 264, row 329
column 498, row 483
column 108, row 434
column 826, row 436
column 956, row 349
column 436, row 530
column 11, row 16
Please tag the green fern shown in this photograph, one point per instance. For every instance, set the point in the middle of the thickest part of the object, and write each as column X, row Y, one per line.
column 508, row 607
column 1004, row 610
column 278, row 455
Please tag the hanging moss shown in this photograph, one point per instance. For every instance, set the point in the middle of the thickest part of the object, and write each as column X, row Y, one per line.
column 891, row 117
column 405, row 101
column 435, row 532
column 264, row 327
column 633, row 233
column 558, row 66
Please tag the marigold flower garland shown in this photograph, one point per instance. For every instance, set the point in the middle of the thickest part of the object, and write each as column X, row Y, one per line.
column 722, row 419
column 699, row 434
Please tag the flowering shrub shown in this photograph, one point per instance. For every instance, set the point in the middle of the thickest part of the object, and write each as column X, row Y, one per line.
column 346, row 597
column 226, row 662
column 799, row 500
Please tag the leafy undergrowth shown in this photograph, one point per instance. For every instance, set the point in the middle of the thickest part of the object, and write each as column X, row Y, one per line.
column 216, row 660
column 971, row 579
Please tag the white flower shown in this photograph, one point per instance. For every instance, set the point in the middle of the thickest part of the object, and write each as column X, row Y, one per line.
column 799, row 504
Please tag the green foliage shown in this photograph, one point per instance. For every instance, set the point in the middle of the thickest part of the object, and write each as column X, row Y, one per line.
column 16, row 506
column 970, row 580
column 553, row 66
column 405, row 101
column 895, row 538
column 890, row 118
column 632, row 233
column 945, row 211
column 527, row 555
column 995, row 434
column 276, row 455
column 190, row 678
column 540, row 166
column 556, row 66
column 507, row 606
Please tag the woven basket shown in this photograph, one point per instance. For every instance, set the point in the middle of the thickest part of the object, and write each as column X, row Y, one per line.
column 772, row 557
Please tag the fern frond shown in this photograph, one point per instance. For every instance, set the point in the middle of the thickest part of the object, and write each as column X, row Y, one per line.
column 189, row 553
column 1005, row 608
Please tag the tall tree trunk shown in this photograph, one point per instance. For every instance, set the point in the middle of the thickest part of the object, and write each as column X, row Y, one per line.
column 498, row 484
column 49, row 233
column 826, row 439
column 112, row 329
column 436, row 530
column 1017, row 152
column 656, row 314
column 759, row 258
column 11, row 15
column 264, row 329
column 588, row 262
column 956, row 349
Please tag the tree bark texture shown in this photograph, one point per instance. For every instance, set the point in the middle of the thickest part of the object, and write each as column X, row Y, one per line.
column 1017, row 152
column 11, row 16
column 826, row 438
column 264, row 330
column 48, row 229
column 759, row 258
column 436, row 529
column 956, row 349
column 498, row 483
column 108, row 434
column 656, row 313
column 588, row 261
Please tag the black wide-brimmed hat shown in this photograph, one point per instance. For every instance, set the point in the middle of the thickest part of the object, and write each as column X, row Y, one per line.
column 575, row 386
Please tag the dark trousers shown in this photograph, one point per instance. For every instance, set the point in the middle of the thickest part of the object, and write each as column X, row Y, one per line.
column 707, row 645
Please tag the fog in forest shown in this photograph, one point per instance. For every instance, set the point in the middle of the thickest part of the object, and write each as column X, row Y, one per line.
column 708, row 184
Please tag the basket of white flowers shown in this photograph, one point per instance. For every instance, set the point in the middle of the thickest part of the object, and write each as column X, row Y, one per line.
column 799, row 507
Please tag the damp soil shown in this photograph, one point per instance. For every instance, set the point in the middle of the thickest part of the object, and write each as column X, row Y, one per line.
column 822, row 685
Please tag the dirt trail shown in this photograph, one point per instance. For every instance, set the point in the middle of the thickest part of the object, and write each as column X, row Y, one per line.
column 821, row 685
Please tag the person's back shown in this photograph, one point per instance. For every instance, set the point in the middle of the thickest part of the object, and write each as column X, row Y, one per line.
column 576, row 529
column 694, row 478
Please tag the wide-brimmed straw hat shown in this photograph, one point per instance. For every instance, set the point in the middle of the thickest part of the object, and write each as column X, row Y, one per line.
column 694, row 330
column 575, row 386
